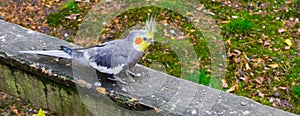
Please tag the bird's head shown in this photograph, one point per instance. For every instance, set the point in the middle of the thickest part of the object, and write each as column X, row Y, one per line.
column 142, row 39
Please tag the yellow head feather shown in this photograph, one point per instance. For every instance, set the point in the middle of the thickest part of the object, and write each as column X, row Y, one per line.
column 151, row 27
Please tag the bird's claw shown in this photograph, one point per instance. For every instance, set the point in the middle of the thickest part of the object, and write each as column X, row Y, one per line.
column 133, row 74
column 116, row 78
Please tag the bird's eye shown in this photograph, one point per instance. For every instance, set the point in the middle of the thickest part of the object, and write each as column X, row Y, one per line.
column 144, row 38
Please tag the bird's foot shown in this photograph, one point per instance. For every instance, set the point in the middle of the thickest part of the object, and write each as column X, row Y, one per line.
column 133, row 74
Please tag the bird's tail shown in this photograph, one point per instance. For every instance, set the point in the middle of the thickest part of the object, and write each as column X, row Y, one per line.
column 63, row 53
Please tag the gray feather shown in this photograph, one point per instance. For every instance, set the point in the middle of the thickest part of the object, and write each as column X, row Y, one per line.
column 54, row 53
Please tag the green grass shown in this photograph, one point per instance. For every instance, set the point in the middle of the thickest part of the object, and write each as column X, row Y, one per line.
column 201, row 77
column 55, row 19
column 59, row 18
column 296, row 89
column 297, row 2
column 241, row 25
column 244, row 32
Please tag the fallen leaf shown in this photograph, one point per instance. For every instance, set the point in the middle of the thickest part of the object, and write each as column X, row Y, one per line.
column 101, row 90
column 275, row 105
column 288, row 42
column 267, row 43
column 273, row 65
column 172, row 37
column 244, row 78
column 276, row 102
column 247, row 67
column 14, row 109
column 44, row 70
column 238, row 52
column 4, row 96
column 283, row 88
column 231, row 89
column 298, row 43
column 189, row 13
column 224, row 83
column 234, row 17
column 276, row 49
column 276, row 94
column 259, row 80
column 260, row 94
column 132, row 99
column 225, row 22
column 275, row 89
column 192, row 30
column 281, row 30
column 287, row 47
column 260, row 41
column 156, row 109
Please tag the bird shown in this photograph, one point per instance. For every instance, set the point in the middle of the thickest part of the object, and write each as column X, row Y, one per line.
column 113, row 57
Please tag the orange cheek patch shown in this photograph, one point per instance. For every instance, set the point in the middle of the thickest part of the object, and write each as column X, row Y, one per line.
column 138, row 40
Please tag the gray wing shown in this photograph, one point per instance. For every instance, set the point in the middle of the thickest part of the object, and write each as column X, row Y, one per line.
column 101, row 58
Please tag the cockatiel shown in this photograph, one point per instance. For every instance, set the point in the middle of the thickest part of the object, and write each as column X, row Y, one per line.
column 112, row 57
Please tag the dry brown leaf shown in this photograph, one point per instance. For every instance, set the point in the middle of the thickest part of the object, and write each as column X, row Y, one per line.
column 44, row 70
column 101, row 90
column 248, row 67
column 225, row 22
column 259, row 80
column 276, row 49
column 238, row 52
column 189, row 13
column 275, row 89
column 224, row 83
column 260, row 41
column 156, row 109
column 260, row 94
column 267, row 43
column 231, row 89
column 276, row 94
column 273, row 65
column 283, row 88
column 72, row 16
column 14, row 109
column 132, row 99
column 4, row 96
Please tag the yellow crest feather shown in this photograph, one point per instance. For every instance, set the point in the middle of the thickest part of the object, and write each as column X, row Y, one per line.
column 151, row 26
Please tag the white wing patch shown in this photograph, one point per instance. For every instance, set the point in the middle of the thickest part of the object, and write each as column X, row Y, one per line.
column 55, row 53
column 86, row 55
column 113, row 70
